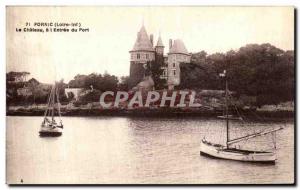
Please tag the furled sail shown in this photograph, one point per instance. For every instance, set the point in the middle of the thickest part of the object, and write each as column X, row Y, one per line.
column 247, row 137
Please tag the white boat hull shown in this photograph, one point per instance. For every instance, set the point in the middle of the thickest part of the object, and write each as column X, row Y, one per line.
column 222, row 152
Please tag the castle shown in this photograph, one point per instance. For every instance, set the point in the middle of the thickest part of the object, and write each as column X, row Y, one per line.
column 144, row 51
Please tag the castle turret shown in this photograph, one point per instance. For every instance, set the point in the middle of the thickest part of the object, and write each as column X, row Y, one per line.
column 141, row 53
column 159, row 48
column 142, row 50
column 144, row 53
column 177, row 55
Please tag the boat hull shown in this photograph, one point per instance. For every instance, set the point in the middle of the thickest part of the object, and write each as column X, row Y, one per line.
column 50, row 134
column 50, row 131
column 222, row 152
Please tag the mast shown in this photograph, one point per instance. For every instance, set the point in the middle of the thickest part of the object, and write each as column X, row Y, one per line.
column 58, row 104
column 48, row 104
column 53, row 101
column 226, row 109
column 223, row 75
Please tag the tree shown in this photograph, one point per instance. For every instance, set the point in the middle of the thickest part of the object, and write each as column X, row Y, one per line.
column 97, row 81
column 155, row 70
column 78, row 81
column 92, row 96
column 263, row 71
column 123, row 85
column 199, row 58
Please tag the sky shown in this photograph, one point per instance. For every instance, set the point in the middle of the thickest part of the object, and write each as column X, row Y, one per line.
column 113, row 30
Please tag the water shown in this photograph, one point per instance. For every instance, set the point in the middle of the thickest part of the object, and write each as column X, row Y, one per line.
column 135, row 150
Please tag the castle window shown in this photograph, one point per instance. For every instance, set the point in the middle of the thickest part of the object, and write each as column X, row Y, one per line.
column 138, row 56
column 174, row 72
column 147, row 56
column 164, row 73
column 174, row 64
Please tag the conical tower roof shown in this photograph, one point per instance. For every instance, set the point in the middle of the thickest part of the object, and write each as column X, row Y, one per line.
column 178, row 47
column 159, row 42
column 142, row 42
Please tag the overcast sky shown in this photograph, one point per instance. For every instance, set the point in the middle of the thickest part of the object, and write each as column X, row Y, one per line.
column 113, row 31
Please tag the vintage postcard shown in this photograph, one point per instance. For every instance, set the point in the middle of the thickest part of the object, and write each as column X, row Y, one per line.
column 150, row 95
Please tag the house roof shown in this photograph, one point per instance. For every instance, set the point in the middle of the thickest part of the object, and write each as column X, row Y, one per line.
column 178, row 47
column 142, row 42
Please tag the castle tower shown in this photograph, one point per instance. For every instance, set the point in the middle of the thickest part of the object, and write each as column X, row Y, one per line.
column 177, row 55
column 159, row 48
column 141, row 53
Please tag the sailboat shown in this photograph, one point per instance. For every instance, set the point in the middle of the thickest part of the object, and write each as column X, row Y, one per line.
column 229, row 152
column 49, row 126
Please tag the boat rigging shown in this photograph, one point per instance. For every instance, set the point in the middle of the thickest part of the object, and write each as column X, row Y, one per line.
column 49, row 126
column 230, row 153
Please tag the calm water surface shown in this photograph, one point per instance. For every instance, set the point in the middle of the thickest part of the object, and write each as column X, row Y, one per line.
column 137, row 150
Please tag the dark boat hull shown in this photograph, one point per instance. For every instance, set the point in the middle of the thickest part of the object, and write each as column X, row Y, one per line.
column 50, row 134
column 51, row 131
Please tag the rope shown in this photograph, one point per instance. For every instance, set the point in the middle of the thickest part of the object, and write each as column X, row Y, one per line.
column 48, row 104
column 58, row 104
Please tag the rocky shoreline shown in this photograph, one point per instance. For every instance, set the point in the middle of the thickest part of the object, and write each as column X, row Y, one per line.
column 155, row 112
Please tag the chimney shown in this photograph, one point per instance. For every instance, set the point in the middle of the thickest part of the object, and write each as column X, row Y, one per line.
column 151, row 39
column 170, row 43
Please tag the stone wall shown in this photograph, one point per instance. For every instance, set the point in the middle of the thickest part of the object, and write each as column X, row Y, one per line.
column 137, row 73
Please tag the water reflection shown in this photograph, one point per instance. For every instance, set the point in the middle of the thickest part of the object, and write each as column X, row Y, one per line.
column 134, row 150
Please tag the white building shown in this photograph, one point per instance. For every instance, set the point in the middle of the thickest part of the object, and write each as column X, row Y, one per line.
column 74, row 92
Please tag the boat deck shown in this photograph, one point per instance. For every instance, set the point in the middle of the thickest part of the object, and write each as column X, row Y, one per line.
column 234, row 150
